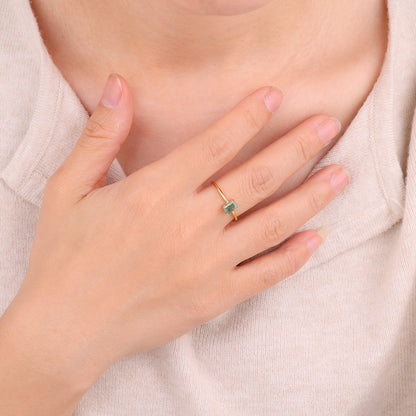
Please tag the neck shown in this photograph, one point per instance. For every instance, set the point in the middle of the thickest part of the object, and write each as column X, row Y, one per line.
column 186, row 70
column 161, row 36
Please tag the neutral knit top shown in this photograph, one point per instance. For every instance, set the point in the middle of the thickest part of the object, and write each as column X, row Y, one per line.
column 336, row 338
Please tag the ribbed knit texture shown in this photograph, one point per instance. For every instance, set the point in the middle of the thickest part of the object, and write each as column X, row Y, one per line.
column 336, row 338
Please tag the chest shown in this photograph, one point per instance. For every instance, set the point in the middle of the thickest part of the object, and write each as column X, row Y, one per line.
column 180, row 112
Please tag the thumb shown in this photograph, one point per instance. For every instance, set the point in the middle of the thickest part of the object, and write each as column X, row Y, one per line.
column 87, row 165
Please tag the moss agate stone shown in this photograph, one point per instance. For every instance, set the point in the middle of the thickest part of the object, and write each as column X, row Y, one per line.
column 230, row 206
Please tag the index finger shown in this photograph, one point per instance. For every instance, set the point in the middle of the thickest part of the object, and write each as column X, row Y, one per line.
column 200, row 157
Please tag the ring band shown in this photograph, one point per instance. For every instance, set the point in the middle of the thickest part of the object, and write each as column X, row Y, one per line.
column 229, row 206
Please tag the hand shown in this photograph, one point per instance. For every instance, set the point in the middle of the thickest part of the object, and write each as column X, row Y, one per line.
column 123, row 268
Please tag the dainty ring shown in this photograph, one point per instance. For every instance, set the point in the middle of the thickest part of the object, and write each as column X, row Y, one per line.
column 229, row 206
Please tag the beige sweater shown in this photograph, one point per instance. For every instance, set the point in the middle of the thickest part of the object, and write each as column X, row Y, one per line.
column 336, row 338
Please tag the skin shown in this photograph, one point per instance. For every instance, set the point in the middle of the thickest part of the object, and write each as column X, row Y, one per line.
column 162, row 276
column 151, row 260
column 187, row 66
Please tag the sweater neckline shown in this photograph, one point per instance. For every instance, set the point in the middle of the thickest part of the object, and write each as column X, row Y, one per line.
column 59, row 118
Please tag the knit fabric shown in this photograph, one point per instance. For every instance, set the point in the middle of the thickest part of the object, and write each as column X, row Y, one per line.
column 336, row 338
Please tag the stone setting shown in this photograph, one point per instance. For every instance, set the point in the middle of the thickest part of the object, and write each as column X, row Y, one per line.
column 230, row 206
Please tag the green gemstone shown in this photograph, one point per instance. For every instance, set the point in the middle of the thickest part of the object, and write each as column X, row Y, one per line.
column 230, row 206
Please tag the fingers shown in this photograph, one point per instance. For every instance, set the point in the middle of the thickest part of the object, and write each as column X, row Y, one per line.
column 267, row 270
column 261, row 175
column 87, row 165
column 199, row 158
column 269, row 226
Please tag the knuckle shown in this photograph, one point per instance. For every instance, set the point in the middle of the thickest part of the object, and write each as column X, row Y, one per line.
column 251, row 119
column 98, row 129
column 291, row 261
column 302, row 147
column 274, row 271
column 219, row 147
column 260, row 181
column 274, row 229
column 316, row 201
column 269, row 275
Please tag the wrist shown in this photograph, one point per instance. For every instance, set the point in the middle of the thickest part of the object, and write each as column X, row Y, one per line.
column 36, row 372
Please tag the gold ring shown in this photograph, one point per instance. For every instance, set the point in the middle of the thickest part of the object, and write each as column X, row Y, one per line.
column 229, row 206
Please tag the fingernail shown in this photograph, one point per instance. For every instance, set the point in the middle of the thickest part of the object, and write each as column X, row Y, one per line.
column 273, row 98
column 339, row 180
column 112, row 92
column 317, row 239
column 328, row 129
column 323, row 231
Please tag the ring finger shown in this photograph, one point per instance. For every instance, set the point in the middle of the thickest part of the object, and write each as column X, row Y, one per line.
column 260, row 176
column 269, row 226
